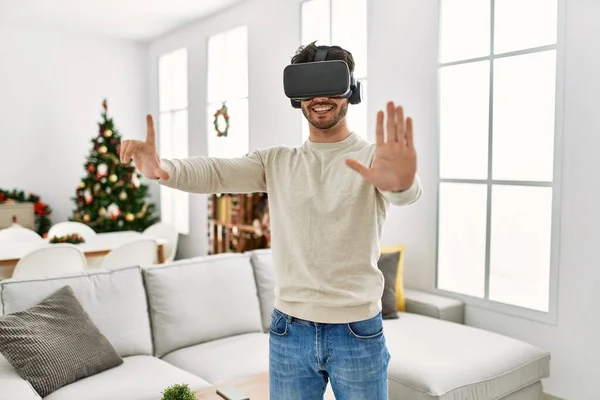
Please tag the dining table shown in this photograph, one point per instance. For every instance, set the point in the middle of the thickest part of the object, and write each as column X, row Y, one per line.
column 97, row 245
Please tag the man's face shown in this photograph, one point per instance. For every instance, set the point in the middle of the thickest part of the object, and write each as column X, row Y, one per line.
column 324, row 112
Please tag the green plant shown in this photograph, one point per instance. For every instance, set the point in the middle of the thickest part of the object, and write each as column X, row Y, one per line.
column 179, row 391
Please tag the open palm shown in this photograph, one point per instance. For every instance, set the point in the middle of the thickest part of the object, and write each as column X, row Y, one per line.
column 394, row 165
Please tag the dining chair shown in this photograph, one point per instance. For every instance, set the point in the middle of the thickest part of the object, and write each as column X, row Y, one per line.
column 50, row 260
column 168, row 232
column 69, row 227
column 16, row 233
column 142, row 252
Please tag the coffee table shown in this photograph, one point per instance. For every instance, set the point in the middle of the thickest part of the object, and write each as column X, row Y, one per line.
column 256, row 387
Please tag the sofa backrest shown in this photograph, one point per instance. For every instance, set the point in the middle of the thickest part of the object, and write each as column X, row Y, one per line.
column 200, row 300
column 264, row 274
column 114, row 299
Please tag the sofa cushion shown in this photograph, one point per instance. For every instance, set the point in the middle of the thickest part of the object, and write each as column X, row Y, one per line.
column 114, row 299
column 264, row 274
column 436, row 359
column 13, row 386
column 225, row 359
column 55, row 343
column 192, row 303
column 388, row 265
column 138, row 378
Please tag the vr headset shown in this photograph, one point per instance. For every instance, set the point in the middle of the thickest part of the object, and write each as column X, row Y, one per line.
column 320, row 78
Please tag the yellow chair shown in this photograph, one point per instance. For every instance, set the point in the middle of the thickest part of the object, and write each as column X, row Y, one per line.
column 400, row 297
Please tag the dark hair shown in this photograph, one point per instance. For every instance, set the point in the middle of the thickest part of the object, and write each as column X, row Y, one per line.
column 307, row 54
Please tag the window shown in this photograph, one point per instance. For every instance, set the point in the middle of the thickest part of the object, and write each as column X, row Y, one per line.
column 228, row 84
column 342, row 23
column 497, row 182
column 173, row 132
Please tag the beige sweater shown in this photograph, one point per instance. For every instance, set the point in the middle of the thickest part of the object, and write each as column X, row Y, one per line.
column 326, row 222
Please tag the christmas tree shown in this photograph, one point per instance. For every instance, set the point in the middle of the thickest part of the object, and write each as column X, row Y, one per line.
column 111, row 196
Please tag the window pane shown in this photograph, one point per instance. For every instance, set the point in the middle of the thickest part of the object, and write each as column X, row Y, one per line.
column 217, row 74
column 180, row 134
column 164, row 83
column 316, row 22
column 464, row 120
column 165, row 135
column 520, row 246
column 167, row 205
column 179, row 75
column 357, row 115
column 462, row 238
column 464, row 29
column 523, row 132
column 349, row 30
column 236, row 50
column 522, row 24
column 236, row 143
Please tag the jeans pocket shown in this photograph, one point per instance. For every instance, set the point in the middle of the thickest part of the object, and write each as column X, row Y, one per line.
column 279, row 324
column 371, row 328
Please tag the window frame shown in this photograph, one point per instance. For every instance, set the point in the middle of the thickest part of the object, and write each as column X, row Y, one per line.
column 178, row 201
column 217, row 105
column 551, row 316
column 360, row 79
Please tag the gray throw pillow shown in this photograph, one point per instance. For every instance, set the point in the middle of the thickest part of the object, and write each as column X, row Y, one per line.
column 388, row 264
column 55, row 343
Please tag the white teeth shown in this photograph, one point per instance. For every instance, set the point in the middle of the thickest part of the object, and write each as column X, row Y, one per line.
column 319, row 109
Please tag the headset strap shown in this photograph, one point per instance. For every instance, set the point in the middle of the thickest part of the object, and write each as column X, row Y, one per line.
column 321, row 53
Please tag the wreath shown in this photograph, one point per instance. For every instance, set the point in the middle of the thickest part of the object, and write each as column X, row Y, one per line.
column 42, row 210
column 222, row 112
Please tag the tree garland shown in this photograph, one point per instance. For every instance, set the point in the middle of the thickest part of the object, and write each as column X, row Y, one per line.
column 42, row 210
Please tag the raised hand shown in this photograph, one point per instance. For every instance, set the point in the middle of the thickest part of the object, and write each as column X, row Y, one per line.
column 144, row 154
column 394, row 165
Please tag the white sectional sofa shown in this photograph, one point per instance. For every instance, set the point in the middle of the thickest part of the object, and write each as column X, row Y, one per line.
column 205, row 320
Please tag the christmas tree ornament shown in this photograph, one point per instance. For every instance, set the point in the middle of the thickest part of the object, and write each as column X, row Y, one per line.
column 108, row 190
column 81, row 184
column 129, row 217
column 102, row 211
column 87, row 195
column 102, row 171
column 86, row 218
column 113, row 211
column 112, row 178
column 97, row 187
column 123, row 195
column 108, row 133
column 102, row 149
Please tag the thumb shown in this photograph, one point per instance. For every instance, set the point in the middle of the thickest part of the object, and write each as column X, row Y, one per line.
column 162, row 174
column 358, row 167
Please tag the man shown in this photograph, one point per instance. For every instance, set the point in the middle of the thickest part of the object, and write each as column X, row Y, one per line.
column 328, row 203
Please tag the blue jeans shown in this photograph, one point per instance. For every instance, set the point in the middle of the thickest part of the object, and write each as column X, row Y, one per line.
column 304, row 356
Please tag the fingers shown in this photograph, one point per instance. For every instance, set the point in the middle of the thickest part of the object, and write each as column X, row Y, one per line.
column 358, row 167
column 391, row 123
column 128, row 147
column 379, row 140
column 150, row 133
column 409, row 133
column 123, row 150
column 400, row 128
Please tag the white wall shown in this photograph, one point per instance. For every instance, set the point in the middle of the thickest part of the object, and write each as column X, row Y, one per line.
column 51, row 89
column 402, row 67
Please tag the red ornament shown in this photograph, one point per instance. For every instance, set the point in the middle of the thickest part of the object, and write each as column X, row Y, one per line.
column 39, row 208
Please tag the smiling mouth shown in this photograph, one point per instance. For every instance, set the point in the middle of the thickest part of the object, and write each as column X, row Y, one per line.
column 322, row 108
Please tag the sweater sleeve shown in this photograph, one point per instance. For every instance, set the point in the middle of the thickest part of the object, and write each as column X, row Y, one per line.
column 405, row 197
column 210, row 175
